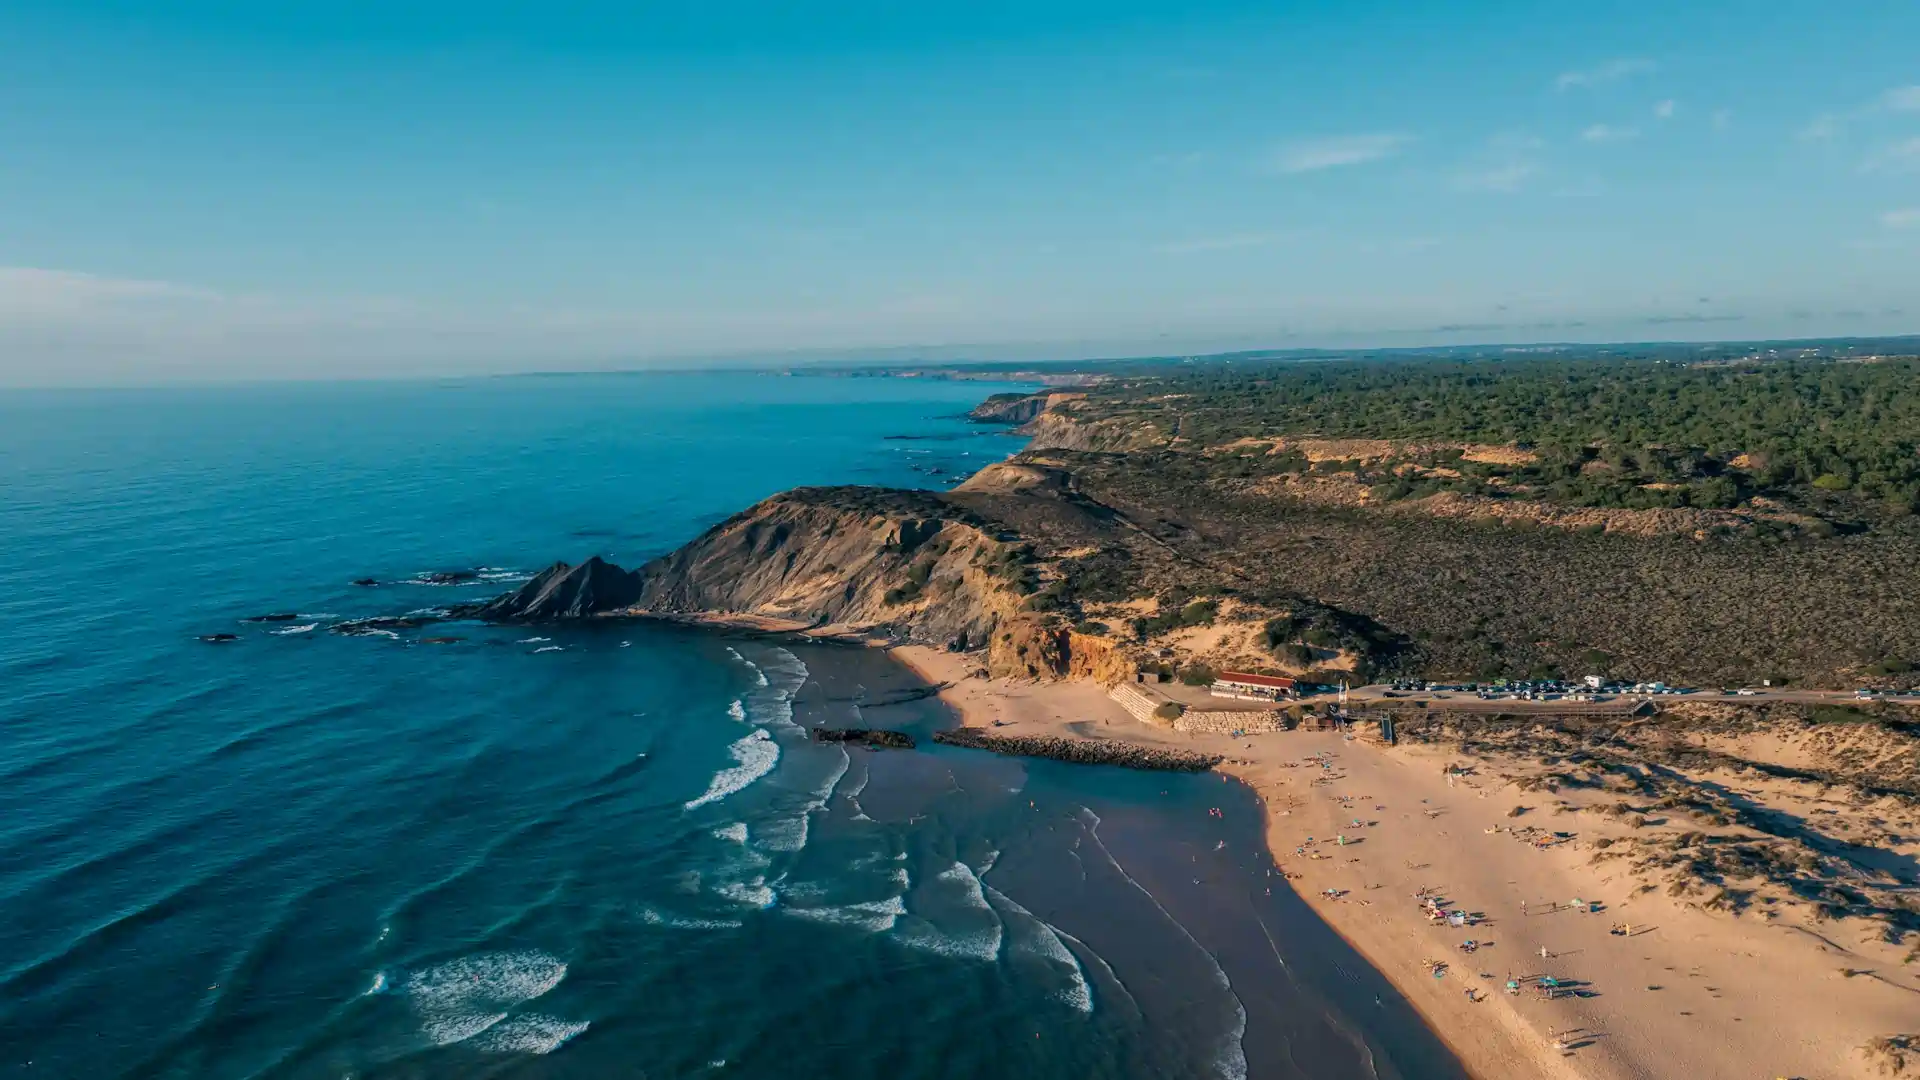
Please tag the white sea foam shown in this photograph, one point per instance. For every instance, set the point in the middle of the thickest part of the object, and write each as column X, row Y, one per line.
column 316, row 615
column 529, row 1033
column 859, row 785
column 756, row 756
column 738, row 710
column 876, row 917
column 803, row 890
column 447, row 1030
column 918, row 933
column 303, row 628
column 656, row 917
column 823, row 791
column 754, row 893
column 736, row 832
column 379, row 984
column 548, row 648
column 1034, row 937
column 785, row 834
column 532, row 640
column 961, row 876
column 460, row 998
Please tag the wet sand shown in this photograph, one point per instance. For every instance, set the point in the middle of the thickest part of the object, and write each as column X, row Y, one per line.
column 1688, row 993
column 1183, row 903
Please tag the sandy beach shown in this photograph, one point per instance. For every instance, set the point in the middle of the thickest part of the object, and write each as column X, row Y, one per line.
column 1650, row 985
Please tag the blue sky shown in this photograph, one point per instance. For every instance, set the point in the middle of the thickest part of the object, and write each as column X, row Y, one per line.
column 219, row 188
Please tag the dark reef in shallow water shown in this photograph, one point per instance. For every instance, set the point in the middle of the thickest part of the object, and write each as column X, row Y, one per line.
column 1081, row 751
column 872, row 738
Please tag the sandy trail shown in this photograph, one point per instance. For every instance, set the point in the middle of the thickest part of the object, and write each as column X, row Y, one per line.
column 1688, row 993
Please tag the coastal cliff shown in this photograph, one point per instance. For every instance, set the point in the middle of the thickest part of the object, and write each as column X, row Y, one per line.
column 923, row 567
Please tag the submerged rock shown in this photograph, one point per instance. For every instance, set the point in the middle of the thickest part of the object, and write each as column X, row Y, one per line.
column 365, row 582
column 278, row 616
column 219, row 639
column 445, row 577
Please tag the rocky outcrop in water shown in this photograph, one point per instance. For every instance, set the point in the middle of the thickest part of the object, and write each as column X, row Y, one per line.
column 871, row 738
column 594, row 587
column 1082, row 751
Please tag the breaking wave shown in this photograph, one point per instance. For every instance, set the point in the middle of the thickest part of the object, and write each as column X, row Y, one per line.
column 528, row 1034
column 461, row 998
column 756, row 756
column 1034, row 937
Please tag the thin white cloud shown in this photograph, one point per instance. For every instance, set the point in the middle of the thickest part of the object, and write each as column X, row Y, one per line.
column 1608, row 133
column 1820, row 128
column 1332, row 152
column 1907, row 218
column 1506, row 178
column 1902, row 99
column 1230, row 242
column 1901, row 156
column 1665, row 109
column 1599, row 76
column 33, row 292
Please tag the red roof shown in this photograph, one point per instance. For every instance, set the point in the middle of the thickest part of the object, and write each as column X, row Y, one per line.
column 1277, row 682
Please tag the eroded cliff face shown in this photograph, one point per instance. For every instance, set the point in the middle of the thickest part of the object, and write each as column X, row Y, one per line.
column 1061, row 428
column 1010, row 408
column 905, row 562
column 916, row 566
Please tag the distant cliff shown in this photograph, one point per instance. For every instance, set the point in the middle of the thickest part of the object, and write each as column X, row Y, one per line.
column 1010, row 408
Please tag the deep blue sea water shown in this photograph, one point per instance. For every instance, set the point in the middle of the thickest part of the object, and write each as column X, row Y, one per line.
column 603, row 852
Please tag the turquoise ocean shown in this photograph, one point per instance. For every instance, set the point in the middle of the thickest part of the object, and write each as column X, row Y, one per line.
column 602, row 851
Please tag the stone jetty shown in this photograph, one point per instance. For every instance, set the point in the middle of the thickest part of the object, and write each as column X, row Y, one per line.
column 1082, row 751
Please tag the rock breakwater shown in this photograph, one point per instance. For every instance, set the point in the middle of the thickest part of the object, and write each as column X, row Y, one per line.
column 871, row 738
column 1082, row 751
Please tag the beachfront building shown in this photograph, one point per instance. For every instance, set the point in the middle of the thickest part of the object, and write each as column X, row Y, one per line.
column 1237, row 684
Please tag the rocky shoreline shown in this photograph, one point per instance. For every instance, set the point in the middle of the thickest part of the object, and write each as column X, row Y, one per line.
column 1081, row 751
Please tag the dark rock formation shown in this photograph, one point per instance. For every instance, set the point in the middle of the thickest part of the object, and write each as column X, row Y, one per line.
column 365, row 582
column 593, row 587
column 871, row 738
column 278, row 616
column 445, row 577
column 1082, row 751
column 444, row 640
column 219, row 639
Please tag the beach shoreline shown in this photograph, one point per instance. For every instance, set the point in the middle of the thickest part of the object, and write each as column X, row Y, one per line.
column 1682, row 992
